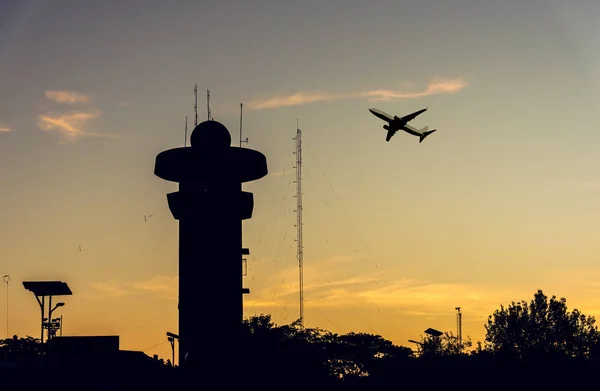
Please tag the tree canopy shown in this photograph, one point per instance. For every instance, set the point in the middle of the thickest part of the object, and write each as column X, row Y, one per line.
column 541, row 327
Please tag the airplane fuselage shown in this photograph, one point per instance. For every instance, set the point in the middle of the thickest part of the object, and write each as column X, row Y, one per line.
column 409, row 129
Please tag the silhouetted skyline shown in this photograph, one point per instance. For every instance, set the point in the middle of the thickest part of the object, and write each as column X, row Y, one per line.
column 396, row 235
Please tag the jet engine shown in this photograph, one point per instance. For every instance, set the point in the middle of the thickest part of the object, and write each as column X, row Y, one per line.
column 386, row 127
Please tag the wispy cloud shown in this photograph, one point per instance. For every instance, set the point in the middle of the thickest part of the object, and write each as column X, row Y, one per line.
column 70, row 125
column 67, row 97
column 110, row 288
column 291, row 100
column 4, row 129
column 162, row 286
column 436, row 86
column 337, row 285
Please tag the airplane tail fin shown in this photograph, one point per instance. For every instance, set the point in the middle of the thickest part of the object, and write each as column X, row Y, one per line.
column 425, row 134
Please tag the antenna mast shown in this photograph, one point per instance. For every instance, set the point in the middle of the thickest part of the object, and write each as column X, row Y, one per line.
column 196, row 105
column 185, row 136
column 241, row 111
column 459, row 326
column 300, row 249
column 208, row 103
column 6, row 279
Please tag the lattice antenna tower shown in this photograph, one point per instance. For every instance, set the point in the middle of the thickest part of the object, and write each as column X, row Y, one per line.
column 459, row 326
column 300, row 248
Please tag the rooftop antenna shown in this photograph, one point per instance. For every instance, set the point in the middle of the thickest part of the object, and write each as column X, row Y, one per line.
column 208, row 103
column 241, row 111
column 300, row 248
column 196, row 105
column 185, row 136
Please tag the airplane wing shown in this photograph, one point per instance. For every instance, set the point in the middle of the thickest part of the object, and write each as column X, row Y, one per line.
column 412, row 116
column 390, row 133
column 380, row 114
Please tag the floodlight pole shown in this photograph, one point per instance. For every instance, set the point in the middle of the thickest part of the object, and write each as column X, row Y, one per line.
column 42, row 306
column 48, row 336
column 43, row 289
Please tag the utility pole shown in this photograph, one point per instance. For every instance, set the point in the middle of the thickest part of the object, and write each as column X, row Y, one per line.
column 6, row 279
column 300, row 249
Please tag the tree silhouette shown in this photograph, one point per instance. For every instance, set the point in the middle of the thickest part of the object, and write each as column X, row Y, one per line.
column 445, row 345
column 20, row 349
column 541, row 328
column 320, row 352
column 360, row 354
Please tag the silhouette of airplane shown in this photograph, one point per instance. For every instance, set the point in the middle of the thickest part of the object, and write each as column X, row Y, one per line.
column 395, row 123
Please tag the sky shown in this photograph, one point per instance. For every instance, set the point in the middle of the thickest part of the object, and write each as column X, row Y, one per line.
column 496, row 204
